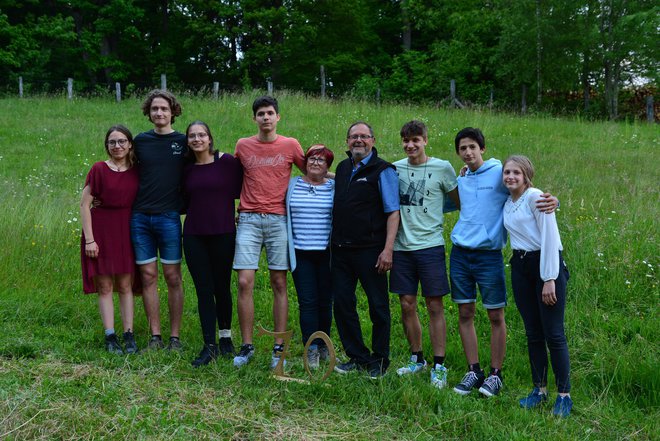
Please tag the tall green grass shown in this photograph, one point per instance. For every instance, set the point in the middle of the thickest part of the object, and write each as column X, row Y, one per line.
column 56, row 382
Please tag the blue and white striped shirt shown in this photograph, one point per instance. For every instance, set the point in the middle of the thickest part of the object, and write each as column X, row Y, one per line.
column 311, row 215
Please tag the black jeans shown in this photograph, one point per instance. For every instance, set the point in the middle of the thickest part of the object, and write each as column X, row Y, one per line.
column 544, row 325
column 209, row 260
column 312, row 280
column 348, row 266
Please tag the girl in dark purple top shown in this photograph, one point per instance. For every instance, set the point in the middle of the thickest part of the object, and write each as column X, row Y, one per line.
column 210, row 186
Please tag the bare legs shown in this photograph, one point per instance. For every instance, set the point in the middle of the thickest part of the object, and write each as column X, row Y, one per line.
column 469, row 335
column 104, row 285
column 172, row 274
column 413, row 329
column 245, row 303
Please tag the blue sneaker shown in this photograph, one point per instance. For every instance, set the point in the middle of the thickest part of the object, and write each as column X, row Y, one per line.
column 412, row 367
column 244, row 355
column 563, row 406
column 534, row 399
column 439, row 376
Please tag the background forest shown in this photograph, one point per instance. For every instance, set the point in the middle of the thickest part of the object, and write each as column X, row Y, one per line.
column 596, row 57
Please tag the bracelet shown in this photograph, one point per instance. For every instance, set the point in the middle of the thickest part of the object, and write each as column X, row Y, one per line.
column 89, row 243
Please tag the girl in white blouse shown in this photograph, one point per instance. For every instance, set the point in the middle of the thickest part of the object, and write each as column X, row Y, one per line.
column 538, row 279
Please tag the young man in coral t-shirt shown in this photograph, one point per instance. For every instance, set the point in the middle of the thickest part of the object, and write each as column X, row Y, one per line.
column 267, row 159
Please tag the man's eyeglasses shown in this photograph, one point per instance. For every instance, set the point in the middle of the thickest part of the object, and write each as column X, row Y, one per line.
column 319, row 161
column 119, row 142
column 362, row 137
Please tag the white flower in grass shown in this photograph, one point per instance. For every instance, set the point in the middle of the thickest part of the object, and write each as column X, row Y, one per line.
column 627, row 282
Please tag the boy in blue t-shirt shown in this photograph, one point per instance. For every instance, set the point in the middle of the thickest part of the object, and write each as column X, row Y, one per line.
column 476, row 258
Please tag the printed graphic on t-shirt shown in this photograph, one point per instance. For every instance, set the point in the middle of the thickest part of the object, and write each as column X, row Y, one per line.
column 176, row 148
column 413, row 189
column 265, row 161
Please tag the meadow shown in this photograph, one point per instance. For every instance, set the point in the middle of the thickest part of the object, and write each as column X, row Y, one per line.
column 57, row 382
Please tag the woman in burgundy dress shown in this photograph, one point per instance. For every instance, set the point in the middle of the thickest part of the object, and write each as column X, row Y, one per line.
column 108, row 262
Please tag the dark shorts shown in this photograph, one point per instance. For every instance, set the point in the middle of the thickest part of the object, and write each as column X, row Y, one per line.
column 485, row 268
column 156, row 234
column 427, row 266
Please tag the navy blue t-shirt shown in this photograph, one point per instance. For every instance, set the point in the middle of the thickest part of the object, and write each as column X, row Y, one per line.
column 160, row 160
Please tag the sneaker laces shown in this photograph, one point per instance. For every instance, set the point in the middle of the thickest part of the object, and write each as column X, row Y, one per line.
column 493, row 382
column 469, row 379
column 412, row 365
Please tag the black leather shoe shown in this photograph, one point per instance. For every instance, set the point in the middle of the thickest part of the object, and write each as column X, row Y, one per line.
column 226, row 347
column 207, row 355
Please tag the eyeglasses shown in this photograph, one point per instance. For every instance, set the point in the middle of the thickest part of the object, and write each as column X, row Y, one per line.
column 362, row 137
column 201, row 135
column 319, row 161
column 119, row 142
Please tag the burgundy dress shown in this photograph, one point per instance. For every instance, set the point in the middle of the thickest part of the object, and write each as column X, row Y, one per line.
column 111, row 224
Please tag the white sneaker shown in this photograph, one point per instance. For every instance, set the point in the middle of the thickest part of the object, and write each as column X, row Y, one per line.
column 313, row 357
column 277, row 353
column 439, row 376
column 412, row 367
column 244, row 355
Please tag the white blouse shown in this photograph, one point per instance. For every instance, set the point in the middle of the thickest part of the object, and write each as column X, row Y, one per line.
column 532, row 230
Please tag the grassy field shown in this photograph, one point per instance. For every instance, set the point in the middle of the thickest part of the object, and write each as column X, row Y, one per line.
column 56, row 381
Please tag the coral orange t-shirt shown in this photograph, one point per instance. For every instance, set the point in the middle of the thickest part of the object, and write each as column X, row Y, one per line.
column 266, row 172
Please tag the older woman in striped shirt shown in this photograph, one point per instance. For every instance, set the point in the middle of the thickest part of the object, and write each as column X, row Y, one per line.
column 309, row 219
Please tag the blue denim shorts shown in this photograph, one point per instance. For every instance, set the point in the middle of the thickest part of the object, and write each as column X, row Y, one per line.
column 261, row 230
column 485, row 268
column 156, row 234
column 425, row 267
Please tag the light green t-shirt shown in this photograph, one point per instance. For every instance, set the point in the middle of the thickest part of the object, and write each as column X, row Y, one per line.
column 422, row 191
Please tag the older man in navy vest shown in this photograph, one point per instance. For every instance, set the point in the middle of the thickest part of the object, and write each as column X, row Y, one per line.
column 364, row 226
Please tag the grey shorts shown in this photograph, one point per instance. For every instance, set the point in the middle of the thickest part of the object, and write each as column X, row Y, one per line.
column 261, row 230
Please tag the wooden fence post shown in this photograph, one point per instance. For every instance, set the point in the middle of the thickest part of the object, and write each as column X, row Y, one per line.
column 452, row 93
column 378, row 96
column 490, row 99
column 322, row 81
column 523, row 104
column 649, row 109
column 20, row 87
column 216, row 89
column 163, row 82
column 118, row 92
column 69, row 88
column 269, row 85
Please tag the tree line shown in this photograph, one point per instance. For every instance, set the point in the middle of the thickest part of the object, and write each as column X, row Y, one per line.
column 564, row 55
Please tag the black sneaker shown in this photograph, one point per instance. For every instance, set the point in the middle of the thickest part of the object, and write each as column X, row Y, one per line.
column 208, row 354
column 491, row 386
column 471, row 380
column 324, row 353
column 375, row 372
column 226, row 347
column 112, row 344
column 155, row 342
column 129, row 343
column 345, row 368
column 175, row 344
